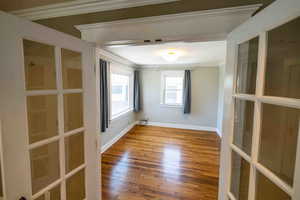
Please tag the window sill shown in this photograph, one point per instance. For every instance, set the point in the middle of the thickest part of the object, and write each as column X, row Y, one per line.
column 121, row 115
column 170, row 106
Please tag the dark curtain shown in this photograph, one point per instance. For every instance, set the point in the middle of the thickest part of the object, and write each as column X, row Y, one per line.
column 136, row 92
column 104, row 105
column 187, row 92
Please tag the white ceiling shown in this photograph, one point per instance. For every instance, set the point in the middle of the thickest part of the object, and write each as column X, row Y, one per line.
column 200, row 53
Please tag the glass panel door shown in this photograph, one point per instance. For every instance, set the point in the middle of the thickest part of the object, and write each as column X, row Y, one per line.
column 266, row 117
column 49, row 117
column 55, row 121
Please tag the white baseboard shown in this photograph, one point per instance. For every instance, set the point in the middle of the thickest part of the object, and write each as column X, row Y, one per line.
column 183, row 126
column 219, row 132
column 115, row 139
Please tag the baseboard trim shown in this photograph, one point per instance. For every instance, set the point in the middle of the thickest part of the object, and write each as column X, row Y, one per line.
column 115, row 139
column 219, row 132
column 183, row 126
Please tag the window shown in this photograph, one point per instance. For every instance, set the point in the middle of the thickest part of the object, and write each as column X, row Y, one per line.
column 172, row 88
column 121, row 92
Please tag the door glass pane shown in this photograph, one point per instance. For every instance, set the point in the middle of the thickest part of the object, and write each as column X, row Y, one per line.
column 71, row 69
column 240, row 172
column 278, row 142
column 39, row 62
column 76, row 186
column 53, row 194
column 266, row 190
column 282, row 77
column 247, row 67
column 73, row 111
column 44, row 166
column 42, row 117
column 243, row 125
column 74, row 147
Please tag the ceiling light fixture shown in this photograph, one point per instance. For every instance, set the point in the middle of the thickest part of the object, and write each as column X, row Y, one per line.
column 170, row 55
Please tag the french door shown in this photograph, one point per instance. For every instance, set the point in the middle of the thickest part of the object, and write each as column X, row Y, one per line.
column 261, row 144
column 48, row 115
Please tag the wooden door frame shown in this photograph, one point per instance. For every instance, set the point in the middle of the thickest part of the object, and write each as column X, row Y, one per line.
column 278, row 13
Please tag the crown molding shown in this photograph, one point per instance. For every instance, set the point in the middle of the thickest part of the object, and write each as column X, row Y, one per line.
column 161, row 18
column 78, row 7
column 109, row 56
column 175, row 66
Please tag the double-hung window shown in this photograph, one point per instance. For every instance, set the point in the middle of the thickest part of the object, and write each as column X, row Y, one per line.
column 172, row 88
column 121, row 82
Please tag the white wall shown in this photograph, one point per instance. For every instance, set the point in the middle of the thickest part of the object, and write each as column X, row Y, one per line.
column 221, row 98
column 117, row 125
column 205, row 98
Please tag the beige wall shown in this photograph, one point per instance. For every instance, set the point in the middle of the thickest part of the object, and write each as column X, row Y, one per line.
column 116, row 127
column 205, row 95
column 66, row 24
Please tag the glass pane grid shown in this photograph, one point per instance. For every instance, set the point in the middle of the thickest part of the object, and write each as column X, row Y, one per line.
column 49, row 83
column 230, row 196
column 273, row 178
column 246, row 71
column 266, row 188
column 71, row 63
column 243, row 123
column 280, row 101
column 240, row 152
column 54, row 193
column 240, row 176
column 75, row 186
column 40, row 65
column 258, row 168
column 287, row 190
column 280, row 84
column 73, row 111
column 280, row 129
column 282, row 77
column 74, row 151
column 45, row 167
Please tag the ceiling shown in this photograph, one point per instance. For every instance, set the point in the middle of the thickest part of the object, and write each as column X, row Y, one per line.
column 192, row 53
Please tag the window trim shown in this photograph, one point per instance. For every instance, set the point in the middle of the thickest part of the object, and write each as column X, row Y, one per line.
column 164, row 74
column 118, row 69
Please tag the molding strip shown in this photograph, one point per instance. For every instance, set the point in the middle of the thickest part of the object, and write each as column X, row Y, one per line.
column 176, row 67
column 183, row 126
column 109, row 56
column 78, row 7
column 188, row 15
column 119, row 136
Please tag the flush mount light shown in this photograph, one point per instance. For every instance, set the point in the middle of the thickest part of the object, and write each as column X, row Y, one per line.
column 171, row 55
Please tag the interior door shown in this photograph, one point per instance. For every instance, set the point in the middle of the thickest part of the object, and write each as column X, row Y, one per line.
column 48, row 115
column 260, row 157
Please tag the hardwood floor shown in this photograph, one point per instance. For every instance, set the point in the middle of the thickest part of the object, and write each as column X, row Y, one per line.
column 155, row 163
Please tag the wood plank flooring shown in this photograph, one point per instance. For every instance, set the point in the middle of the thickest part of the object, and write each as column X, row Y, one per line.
column 155, row 163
